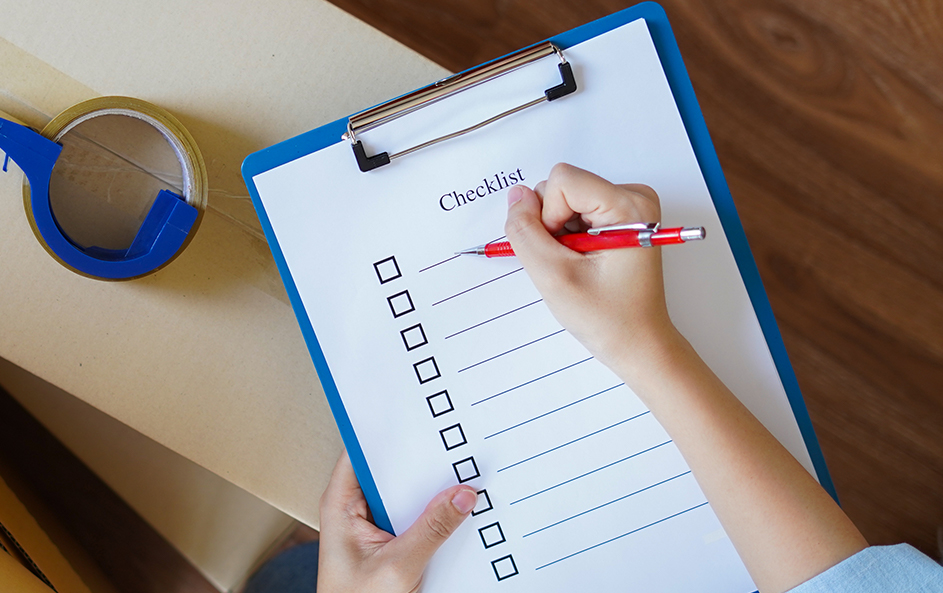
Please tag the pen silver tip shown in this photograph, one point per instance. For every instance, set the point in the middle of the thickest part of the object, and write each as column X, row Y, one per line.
column 693, row 233
column 479, row 250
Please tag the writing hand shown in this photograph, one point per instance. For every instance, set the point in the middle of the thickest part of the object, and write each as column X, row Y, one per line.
column 783, row 524
column 612, row 301
column 356, row 556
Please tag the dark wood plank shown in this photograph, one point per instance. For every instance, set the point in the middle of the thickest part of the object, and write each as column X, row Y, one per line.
column 828, row 119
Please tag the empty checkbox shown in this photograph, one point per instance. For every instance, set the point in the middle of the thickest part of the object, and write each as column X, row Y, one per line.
column 453, row 437
column 426, row 370
column 414, row 337
column 466, row 469
column 484, row 503
column 440, row 403
column 504, row 567
column 400, row 303
column 491, row 535
column 387, row 269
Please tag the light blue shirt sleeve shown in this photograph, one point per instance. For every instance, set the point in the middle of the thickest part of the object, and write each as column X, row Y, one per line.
column 879, row 569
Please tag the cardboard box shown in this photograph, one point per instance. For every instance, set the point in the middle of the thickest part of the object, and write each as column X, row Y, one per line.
column 221, row 529
column 204, row 357
column 29, row 555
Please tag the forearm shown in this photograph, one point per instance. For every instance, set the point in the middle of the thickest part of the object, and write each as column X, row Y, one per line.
column 783, row 524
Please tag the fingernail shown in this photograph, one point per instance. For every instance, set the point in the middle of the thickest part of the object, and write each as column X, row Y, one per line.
column 465, row 501
column 515, row 194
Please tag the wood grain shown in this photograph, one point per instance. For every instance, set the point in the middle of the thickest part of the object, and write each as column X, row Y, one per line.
column 827, row 116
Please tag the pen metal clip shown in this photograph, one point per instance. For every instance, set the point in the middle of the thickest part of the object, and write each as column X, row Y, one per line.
column 446, row 87
column 645, row 231
column 635, row 226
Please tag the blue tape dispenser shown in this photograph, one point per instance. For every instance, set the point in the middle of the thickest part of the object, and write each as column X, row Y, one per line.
column 170, row 221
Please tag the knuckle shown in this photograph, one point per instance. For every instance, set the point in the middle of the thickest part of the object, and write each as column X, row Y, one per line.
column 646, row 191
column 438, row 528
column 649, row 211
column 561, row 171
column 647, row 198
column 639, row 202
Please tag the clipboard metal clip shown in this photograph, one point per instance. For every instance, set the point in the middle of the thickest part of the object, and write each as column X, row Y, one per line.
column 446, row 87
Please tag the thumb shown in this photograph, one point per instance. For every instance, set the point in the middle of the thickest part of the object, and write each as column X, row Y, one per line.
column 533, row 244
column 442, row 516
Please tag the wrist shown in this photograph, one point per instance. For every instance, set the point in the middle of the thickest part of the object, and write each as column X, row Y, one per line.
column 650, row 355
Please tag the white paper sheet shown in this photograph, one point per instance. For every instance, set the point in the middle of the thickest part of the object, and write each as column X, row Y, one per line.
column 586, row 490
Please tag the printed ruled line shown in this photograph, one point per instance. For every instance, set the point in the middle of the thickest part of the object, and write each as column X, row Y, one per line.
column 492, row 319
column 598, row 469
column 496, row 356
column 490, row 397
column 555, row 410
column 608, row 541
column 467, row 290
column 574, row 441
column 456, row 256
column 607, row 504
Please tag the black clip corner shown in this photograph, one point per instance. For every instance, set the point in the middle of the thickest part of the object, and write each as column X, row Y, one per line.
column 369, row 163
column 566, row 87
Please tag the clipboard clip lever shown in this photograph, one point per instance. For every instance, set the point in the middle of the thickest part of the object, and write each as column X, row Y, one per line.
column 456, row 83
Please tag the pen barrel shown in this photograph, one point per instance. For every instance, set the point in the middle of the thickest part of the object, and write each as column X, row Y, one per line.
column 584, row 242
column 667, row 237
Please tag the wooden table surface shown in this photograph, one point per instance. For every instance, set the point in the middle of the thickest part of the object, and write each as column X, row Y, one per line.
column 827, row 116
column 828, row 119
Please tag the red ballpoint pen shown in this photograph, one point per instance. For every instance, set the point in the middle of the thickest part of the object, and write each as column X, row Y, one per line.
column 611, row 237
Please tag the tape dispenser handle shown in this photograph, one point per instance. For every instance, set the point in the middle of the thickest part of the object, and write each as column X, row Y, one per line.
column 161, row 235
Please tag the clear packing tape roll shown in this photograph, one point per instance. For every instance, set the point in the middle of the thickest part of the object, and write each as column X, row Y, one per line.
column 116, row 187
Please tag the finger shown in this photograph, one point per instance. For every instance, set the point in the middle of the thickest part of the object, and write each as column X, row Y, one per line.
column 642, row 190
column 534, row 246
column 572, row 190
column 415, row 547
column 343, row 493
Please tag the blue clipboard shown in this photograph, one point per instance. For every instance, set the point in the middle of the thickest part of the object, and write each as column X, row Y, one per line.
column 680, row 84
